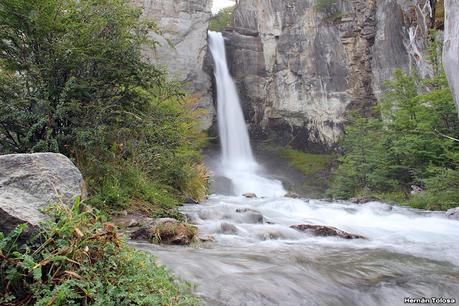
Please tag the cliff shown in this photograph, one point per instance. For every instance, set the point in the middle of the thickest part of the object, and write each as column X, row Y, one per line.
column 301, row 68
column 451, row 46
column 183, row 45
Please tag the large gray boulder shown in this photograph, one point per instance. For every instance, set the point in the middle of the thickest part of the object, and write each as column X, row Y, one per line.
column 30, row 182
column 451, row 46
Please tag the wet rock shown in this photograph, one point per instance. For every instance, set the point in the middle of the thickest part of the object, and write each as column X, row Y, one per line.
column 271, row 235
column 30, row 182
column 206, row 239
column 453, row 213
column 292, row 195
column 190, row 200
column 250, row 195
column 325, row 231
column 251, row 216
column 167, row 231
column 228, row 228
column 362, row 200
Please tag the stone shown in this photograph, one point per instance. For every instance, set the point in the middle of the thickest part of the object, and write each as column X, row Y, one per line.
column 250, row 216
column 292, row 195
column 228, row 228
column 167, row 231
column 325, row 231
column 451, row 46
column 453, row 213
column 182, row 47
column 190, row 200
column 30, row 182
column 299, row 74
column 250, row 195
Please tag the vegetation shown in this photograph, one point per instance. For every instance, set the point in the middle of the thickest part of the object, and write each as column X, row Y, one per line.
column 307, row 163
column 330, row 9
column 78, row 259
column 316, row 168
column 412, row 144
column 222, row 19
column 73, row 80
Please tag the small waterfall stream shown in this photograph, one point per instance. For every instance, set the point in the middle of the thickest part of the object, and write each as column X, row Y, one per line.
column 256, row 258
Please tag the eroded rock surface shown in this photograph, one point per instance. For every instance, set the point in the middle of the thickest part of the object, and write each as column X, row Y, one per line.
column 30, row 182
column 451, row 46
column 299, row 70
column 183, row 45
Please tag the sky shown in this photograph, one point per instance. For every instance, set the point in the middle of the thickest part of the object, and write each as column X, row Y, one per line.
column 219, row 4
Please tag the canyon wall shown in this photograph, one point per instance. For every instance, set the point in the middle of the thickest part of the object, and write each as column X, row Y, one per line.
column 300, row 69
column 451, row 46
column 182, row 46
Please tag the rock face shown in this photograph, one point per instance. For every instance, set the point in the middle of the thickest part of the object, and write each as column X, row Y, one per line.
column 451, row 46
column 183, row 46
column 300, row 69
column 29, row 182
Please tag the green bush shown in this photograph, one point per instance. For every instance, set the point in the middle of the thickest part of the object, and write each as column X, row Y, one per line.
column 78, row 259
column 73, row 80
column 222, row 19
column 412, row 142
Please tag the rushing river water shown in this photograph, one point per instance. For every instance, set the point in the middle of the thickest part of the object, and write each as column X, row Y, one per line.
column 408, row 253
column 255, row 258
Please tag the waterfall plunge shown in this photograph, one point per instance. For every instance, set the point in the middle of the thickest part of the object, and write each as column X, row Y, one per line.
column 237, row 162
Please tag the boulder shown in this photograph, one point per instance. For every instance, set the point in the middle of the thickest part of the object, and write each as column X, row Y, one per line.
column 167, row 231
column 250, row 216
column 325, row 231
column 30, row 182
column 250, row 195
column 228, row 228
column 453, row 213
column 292, row 195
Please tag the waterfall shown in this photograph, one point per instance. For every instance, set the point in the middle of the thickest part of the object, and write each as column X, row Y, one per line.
column 237, row 160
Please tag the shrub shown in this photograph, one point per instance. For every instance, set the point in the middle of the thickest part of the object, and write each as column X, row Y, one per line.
column 222, row 19
column 73, row 80
column 78, row 259
column 412, row 142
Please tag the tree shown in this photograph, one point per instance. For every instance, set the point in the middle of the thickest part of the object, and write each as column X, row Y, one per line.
column 73, row 80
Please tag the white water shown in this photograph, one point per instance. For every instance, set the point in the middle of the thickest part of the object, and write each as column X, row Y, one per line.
column 408, row 253
column 237, row 160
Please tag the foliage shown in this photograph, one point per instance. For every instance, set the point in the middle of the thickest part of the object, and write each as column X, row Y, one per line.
column 330, row 9
column 307, row 163
column 410, row 143
column 77, row 259
column 315, row 168
column 73, row 80
column 222, row 19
